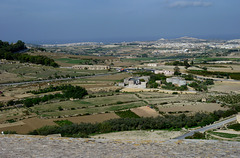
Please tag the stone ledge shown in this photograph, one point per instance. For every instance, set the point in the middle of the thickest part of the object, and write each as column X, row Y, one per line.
column 23, row 146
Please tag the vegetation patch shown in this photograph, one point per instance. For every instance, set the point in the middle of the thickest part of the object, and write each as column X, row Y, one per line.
column 225, row 135
column 197, row 135
column 126, row 124
column 127, row 114
column 10, row 52
column 235, row 76
column 235, row 127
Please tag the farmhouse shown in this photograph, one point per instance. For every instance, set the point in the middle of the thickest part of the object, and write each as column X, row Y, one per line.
column 176, row 81
column 165, row 72
column 91, row 67
column 135, row 82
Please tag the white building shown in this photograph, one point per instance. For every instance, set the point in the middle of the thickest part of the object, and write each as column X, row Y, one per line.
column 176, row 81
column 165, row 72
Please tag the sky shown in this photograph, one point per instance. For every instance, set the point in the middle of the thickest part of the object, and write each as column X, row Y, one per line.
column 117, row 20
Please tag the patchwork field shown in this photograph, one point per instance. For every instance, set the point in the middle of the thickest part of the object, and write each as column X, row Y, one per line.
column 89, row 105
column 26, row 72
column 27, row 125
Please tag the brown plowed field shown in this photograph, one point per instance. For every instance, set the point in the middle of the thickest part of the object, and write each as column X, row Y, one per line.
column 31, row 124
column 145, row 111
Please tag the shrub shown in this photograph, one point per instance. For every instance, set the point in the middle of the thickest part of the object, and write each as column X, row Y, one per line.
column 197, row 135
column 235, row 127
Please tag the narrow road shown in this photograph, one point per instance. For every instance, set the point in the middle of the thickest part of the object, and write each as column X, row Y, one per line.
column 217, row 79
column 51, row 80
column 213, row 126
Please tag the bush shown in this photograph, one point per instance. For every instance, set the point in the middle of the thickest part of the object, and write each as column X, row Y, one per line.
column 9, row 132
column 197, row 135
column 235, row 127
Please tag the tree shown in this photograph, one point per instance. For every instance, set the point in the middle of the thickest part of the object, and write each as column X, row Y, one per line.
column 186, row 64
column 192, row 63
column 177, row 71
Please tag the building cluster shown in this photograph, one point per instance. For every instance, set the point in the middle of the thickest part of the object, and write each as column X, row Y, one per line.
column 135, row 82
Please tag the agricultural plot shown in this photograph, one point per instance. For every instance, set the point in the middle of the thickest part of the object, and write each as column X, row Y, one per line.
column 226, row 87
column 23, row 72
column 92, row 110
column 30, row 124
column 90, row 105
column 126, row 114
column 145, row 111
column 153, row 95
column 223, row 135
column 190, row 107
column 161, row 100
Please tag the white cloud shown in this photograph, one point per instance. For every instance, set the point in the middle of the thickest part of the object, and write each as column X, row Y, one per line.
column 183, row 4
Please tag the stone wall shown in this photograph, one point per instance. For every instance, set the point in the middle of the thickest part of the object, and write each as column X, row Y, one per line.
column 45, row 147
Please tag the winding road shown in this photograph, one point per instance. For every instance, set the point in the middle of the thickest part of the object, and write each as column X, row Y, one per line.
column 209, row 127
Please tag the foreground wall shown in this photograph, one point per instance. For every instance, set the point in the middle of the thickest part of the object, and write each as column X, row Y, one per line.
column 37, row 146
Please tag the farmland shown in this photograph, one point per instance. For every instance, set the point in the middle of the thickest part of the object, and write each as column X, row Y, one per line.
column 105, row 100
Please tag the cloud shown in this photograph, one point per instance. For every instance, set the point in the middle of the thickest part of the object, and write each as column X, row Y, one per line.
column 184, row 4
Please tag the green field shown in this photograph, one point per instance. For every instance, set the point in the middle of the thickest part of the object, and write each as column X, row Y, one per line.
column 127, row 114
column 225, row 135
column 153, row 95
column 94, row 110
column 90, row 105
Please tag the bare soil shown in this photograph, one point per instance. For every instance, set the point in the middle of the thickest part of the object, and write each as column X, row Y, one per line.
column 226, row 87
column 145, row 111
column 191, row 107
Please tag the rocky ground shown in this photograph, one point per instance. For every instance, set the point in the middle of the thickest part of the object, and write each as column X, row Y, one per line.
column 44, row 147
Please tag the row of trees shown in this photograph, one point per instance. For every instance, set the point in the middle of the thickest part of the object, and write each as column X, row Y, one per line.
column 179, row 63
column 50, row 89
column 201, row 85
column 126, row 124
column 5, row 46
column 10, row 52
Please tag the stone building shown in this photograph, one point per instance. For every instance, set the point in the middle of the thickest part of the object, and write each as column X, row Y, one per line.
column 176, row 81
column 135, row 82
column 165, row 72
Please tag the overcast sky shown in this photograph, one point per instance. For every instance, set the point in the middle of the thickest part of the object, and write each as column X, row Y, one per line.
column 106, row 20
